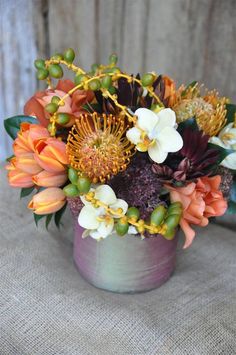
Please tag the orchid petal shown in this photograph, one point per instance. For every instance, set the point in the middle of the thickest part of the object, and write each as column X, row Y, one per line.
column 88, row 218
column 134, row 135
column 156, row 153
column 170, row 140
column 105, row 194
column 119, row 204
column 147, row 119
column 166, row 118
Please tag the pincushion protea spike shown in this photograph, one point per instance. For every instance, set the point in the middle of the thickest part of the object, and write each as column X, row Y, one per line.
column 97, row 146
column 209, row 109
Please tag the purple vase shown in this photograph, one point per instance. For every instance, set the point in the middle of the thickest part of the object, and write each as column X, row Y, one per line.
column 125, row 264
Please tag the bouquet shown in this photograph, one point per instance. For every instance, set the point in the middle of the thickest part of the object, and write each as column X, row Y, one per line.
column 128, row 153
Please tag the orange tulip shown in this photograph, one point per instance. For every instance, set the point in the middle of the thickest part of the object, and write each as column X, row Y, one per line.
column 26, row 163
column 28, row 134
column 18, row 178
column 200, row 201
column 48, row 201
column 49, row 179
column 50, row 154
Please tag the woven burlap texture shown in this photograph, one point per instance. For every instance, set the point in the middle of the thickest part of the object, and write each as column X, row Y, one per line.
column 46, row 308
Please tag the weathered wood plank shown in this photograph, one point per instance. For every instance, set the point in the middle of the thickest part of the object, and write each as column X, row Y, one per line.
column 18, row 51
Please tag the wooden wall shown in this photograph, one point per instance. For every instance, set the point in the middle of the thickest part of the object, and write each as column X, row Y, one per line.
column 187, row 39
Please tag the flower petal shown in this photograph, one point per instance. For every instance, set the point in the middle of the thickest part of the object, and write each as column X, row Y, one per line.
column 170, row 140
column 134, row 135
column 230, row 161
column 166, row 118
column 105, row 194
column 132, row 230
column 120, row 204
column 156, row 153
column 147, row 119
column 87, row 218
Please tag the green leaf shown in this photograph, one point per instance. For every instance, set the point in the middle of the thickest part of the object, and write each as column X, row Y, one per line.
column 58, row 215
column 92, row 108
column 223, row 153
column 9, row 158
column 25, row 191
column 48, row 220
column 190, row 122
column 12, row 124
column 37, row 217
column 232, row 195
column 231, row 111
column 231, row 207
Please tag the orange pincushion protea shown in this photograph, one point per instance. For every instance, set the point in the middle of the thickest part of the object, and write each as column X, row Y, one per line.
column 209, row 109
column 97, row 146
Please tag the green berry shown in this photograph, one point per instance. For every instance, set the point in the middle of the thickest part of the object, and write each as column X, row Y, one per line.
column 55, row 71
column 170, row 233
column 94, row 85
column 51, row 108
column 69, row 55
column 39, row 64
column 158, row 215
column 79, row 78
column 113, row 59
column 73, row 176
column 121, row 227
column 112, row 90
column 57, row 56
column 175, row 208
column 42, row 74
column 106, row 81
column 172, row 221
column 147, row 79
column 83, row 185
column 63, row 118
column 55, row 99
column 71, row 190
column 133, row 212
column 94, row 67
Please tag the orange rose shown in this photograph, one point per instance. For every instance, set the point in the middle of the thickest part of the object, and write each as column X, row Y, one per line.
column 73, row 104
column 48, row 201
column 200, row 201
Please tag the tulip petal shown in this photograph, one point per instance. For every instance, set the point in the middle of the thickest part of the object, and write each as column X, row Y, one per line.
column 147, row 119
column 156, row 153
column 105, row 194
column 88, row 218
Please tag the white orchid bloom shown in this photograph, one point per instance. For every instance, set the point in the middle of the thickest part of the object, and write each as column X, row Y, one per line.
column 227, row 140
column 155, row 133
column 99, row 222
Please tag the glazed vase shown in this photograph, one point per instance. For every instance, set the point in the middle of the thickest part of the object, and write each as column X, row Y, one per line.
column 126, row 264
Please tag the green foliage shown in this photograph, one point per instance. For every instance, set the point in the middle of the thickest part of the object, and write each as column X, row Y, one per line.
column 58, row 216
column 26, row 191
column 12, row 124
column 223, row 153
column 231, row 111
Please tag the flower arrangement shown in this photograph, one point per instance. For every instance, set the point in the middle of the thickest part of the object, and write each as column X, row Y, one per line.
column 129, row 154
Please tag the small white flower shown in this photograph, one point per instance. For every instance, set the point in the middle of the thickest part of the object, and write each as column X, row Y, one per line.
column 155, row 133
column 98, row 222
column 227, row 139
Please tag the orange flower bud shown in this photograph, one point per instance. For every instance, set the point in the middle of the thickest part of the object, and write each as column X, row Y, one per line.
column 18, row 178
column 28, row 134
column 48, row 201
column 49, row 179
column 50, row 154
column 26, row 163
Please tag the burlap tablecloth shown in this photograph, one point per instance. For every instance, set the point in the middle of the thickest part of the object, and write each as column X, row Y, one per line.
column 46, row 308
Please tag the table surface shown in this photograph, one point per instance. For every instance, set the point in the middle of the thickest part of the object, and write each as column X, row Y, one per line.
column 47, row 308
